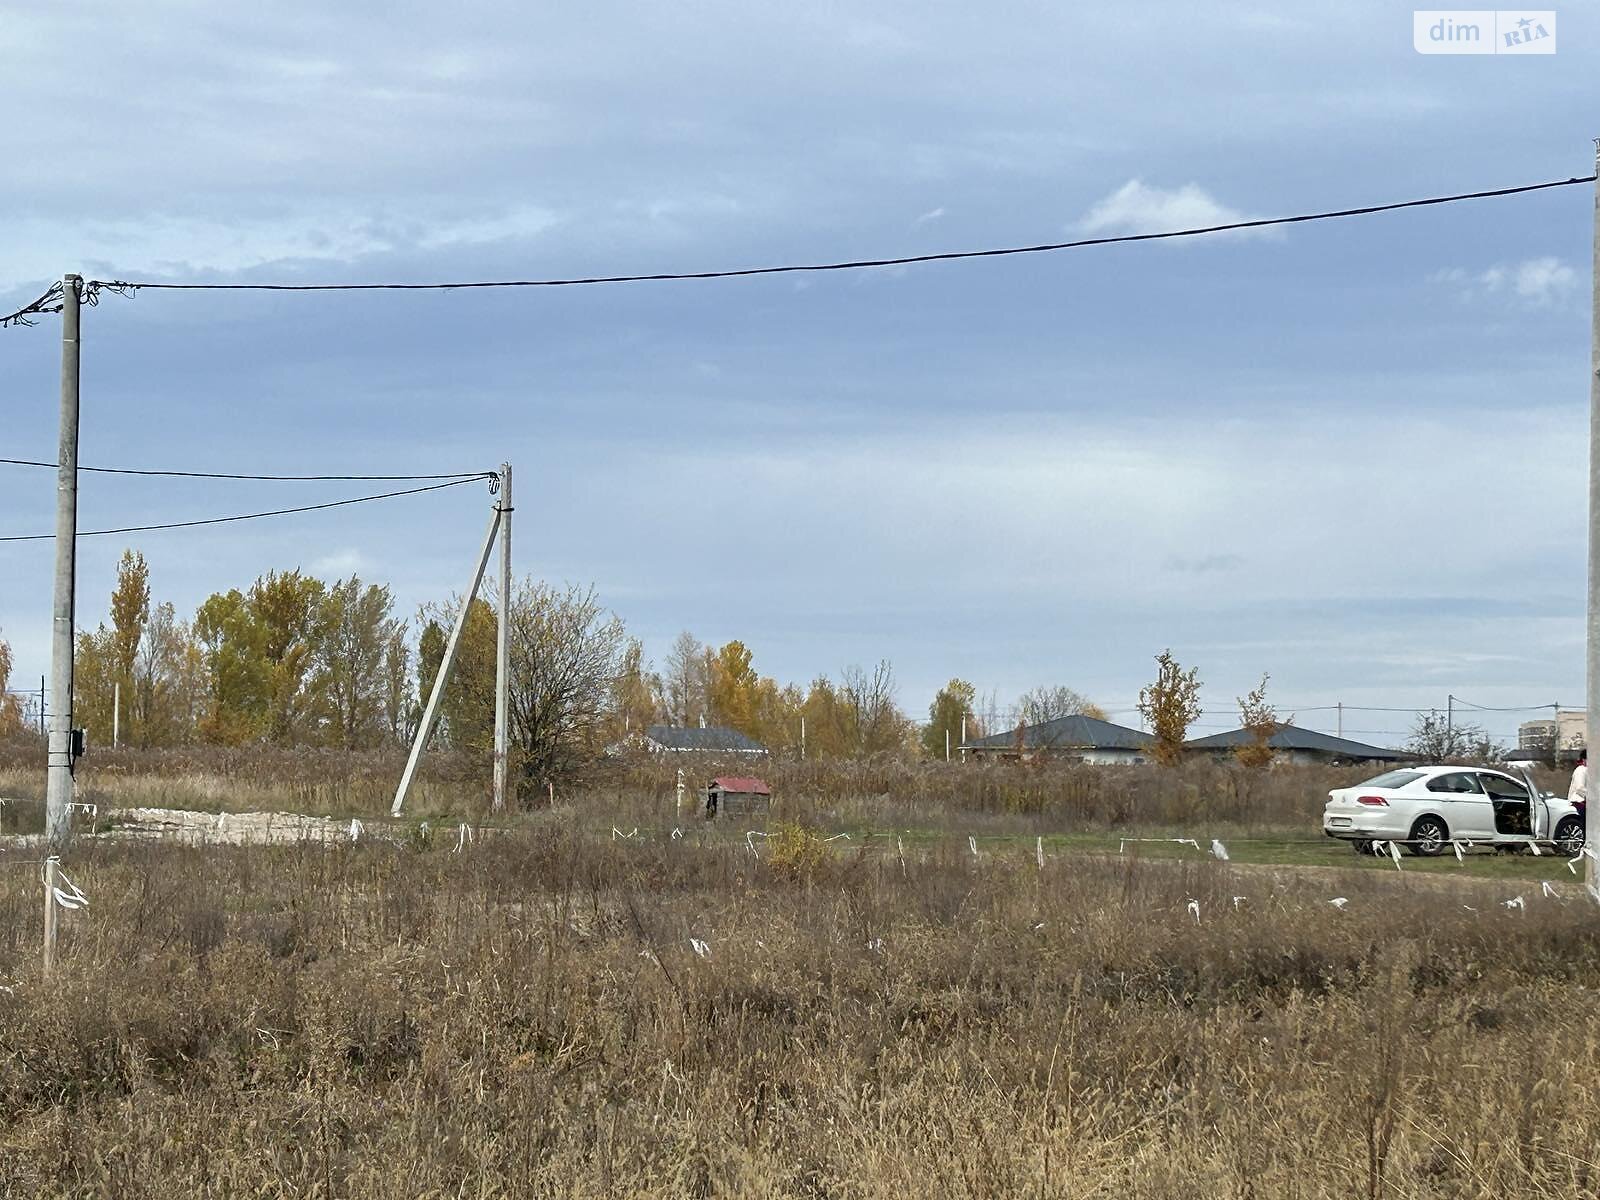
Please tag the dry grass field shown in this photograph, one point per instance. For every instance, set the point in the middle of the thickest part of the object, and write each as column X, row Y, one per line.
column 532, row 1017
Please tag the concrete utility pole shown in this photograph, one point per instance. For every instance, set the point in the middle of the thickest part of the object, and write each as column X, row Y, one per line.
column 49, row 914
column 502, row 656
column 430, row 712
column 58, row 780
column 1592, row 717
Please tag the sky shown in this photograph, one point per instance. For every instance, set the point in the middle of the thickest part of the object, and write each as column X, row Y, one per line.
column 1348, row 454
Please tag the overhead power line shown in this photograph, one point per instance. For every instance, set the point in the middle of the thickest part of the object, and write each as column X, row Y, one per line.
column 255, row 516
column 460, row 475
column 125, row 287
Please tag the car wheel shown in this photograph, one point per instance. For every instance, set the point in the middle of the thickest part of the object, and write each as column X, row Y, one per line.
column 1569, row 836
column 1428, row 837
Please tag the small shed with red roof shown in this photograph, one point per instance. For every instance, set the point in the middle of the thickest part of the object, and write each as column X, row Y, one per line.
column 737, row 794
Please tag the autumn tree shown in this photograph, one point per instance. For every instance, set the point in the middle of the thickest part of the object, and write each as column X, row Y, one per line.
column 686, row 680
column 130, row 612
column 1041, row 704
column 873, row 723
column 823, row 710
column 1260, row 721
column 635, row 702
column 1170, row 705
column 1439, row 739
column 259, row 653
column 732, row 689
column 949, row 718
column 11, row 716
column 354, row 629
column 400, row 710
column 565, row 652
column 466, row 710
column 168, row 681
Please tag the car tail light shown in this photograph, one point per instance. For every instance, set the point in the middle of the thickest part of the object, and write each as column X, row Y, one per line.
column 1372, row 801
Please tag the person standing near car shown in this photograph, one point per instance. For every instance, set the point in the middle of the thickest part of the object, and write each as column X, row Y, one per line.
column 1578, row 790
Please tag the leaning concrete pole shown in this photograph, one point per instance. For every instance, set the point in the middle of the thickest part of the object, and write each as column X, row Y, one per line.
column 502, row 656
column 430, row 711
column 58, row 781
column 1592, row 718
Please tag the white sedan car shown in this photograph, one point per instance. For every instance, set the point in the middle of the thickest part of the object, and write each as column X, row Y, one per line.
column 1426, row 808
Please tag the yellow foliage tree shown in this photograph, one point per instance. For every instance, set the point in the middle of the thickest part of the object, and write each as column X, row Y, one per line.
column 1171, row 704
column 1258, row 716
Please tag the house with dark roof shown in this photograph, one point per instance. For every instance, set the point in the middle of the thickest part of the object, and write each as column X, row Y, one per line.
column 704, row 739
column 1292, row 744
column 1076, row 738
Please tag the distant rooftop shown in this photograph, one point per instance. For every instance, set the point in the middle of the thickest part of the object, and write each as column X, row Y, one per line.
column 1065, row 733
column 712, row 739
column 1292, row 737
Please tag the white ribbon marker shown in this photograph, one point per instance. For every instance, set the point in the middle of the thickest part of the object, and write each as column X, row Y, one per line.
column 1394, row 853
column 1238, row 900
column 1456, row 846
column 1339, row 902
column 1219, row 851
column 70, row 896
column 703, row 949
column 1549, row 889
column 1534, row 846
column 1194, row 910
column 972, row 844
column 355, row 829
column 676, row 833
column 750, row 837
column 836, row 837
column 1514, row 902
column 875, row 946
column 617, row 833
column 1038, row 851
column 222, row 819
column 463, row 837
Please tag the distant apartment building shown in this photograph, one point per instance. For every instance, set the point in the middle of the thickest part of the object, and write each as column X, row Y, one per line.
column 1560, row 737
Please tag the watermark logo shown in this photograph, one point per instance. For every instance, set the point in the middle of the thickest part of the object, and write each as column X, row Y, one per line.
column 1483, row 31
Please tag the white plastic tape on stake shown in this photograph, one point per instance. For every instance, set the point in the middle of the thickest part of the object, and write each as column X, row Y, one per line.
column 1194, row 910
column 1514, row 902
column 750, row 837
column 1219, row 851
column 1122, row 843
column 355, row 829
column 463, row 837
column 703, row 949
column 676, row 833
column 222, row 820
column 68, row 896
column 1549, row 889
column 972, row 844
column 1038, row 851
column 618, row 834
column 91, row 810
column 1339, row 902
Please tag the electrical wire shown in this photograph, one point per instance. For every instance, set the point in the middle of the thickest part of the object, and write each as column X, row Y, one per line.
column 277, row 512
column 126, row 287
column 50, row 302
column 460, row 475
